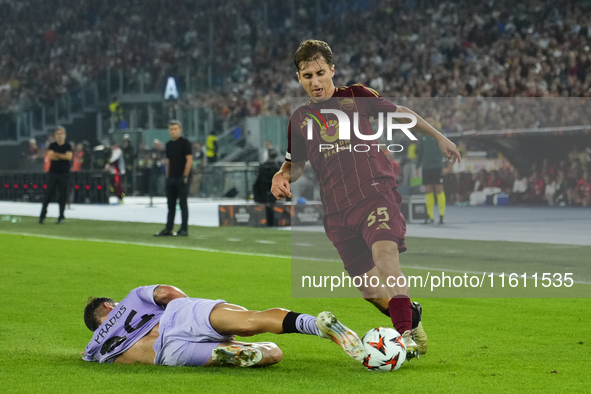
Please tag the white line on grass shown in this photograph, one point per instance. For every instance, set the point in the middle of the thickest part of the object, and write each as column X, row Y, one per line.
column 277, row 256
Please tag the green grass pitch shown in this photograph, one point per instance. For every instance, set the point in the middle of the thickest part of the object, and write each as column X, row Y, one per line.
column 476, row 345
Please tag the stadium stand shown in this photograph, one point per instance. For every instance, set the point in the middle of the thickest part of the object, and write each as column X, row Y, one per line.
column 238, row 58
column 533, row 48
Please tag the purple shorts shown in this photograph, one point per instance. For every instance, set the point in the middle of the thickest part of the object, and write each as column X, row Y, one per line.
column 354, row 230
column 186, row 335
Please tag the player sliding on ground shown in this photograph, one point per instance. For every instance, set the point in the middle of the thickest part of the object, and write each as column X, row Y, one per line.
column 160, row 325
column 358, row 189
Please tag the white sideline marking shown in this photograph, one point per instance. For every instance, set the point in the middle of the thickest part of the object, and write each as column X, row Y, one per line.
column 146, row 244
column 234, row 239
column 263, row 241
column 277, row 256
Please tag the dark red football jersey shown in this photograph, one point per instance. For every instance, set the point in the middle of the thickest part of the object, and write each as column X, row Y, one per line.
column 346, row 177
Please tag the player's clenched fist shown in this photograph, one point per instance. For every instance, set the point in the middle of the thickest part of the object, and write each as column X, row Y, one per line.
column 280, row 186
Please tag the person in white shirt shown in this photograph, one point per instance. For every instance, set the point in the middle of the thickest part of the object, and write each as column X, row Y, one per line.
column 550, row 189
column 116, row 167
column 520, row 186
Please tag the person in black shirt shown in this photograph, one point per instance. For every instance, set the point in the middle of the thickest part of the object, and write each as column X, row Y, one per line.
column 60, row 154
column 86, row 162
column 264, row 180
column 180, row 160
column 129, row 158
column 263, row 183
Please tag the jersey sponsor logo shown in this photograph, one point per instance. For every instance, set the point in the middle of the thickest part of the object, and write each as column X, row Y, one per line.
column 338, row 147
column 329, row 130
column 332, row 134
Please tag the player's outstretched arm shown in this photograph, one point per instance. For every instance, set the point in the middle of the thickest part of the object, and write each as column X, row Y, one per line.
column 163, row 294
column 289, row 172
column 448, row 148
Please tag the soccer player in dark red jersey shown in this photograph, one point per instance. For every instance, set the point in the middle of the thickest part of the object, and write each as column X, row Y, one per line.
column 358, row 188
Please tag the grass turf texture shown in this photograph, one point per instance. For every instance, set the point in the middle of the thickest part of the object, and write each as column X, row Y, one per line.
column 476, row 345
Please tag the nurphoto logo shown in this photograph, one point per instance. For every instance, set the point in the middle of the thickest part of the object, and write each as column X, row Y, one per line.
column 340, row 129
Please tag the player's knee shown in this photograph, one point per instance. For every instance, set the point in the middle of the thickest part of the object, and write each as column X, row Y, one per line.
column 386, row 262
column 386, row 256
column 385, row 250
column 373, row 293
column 389, row 249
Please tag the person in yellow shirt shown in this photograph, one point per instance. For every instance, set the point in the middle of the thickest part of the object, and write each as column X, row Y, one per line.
column 410, row 167
column 211, row 148
column 116, row 111
column 431, row 161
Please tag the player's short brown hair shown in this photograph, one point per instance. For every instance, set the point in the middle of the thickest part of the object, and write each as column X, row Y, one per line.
column 311, row 50
column 90, row 315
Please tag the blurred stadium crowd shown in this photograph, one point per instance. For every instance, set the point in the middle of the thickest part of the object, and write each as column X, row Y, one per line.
column 566, row 182
column 411, row 48
column 562, row 181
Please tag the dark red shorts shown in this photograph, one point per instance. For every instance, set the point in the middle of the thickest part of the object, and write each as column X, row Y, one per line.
column 353, row 231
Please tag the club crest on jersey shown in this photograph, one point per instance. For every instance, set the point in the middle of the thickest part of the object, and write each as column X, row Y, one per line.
column 347, row 103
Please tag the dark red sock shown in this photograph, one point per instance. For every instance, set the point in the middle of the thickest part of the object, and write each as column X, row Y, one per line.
column 401, row 313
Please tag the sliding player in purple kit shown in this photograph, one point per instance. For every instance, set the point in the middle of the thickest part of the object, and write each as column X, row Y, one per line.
column 358, row 189
column 160, row 325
